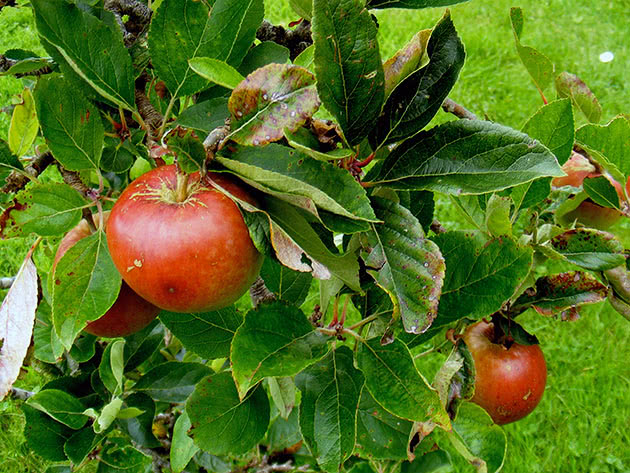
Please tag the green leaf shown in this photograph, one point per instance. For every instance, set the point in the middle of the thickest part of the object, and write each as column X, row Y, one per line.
column 421, row 204
column 283, row 392
column 404, row 263
column 172, row 381
column 571, row 86
column 276, row 339
column 26, row 62
column 380, row 435
column 306, row 58
column 45, row 436
column 48, row 347
column 61, row 406
column 612, row 140
column 182, row 446
column 222, row 423
column 262, row 54
column 216, row 71
column 190, row 152
column 590, row 249
column 70, row 123
column 208, row 334
column 45, row 209
column 85, row 285
column 81, row 444
column 350, row 78
column 186, row 29
column 117, row 159
column 418, row 97
column 561, row 293
column 108, row 415
column 305, row 142
column 411, row 4
column 498, row 220
column 394, row 382
column 286, row 284
column 602, row 192
column 406, row 60
column 24, row 125
column 330, row 395
column 553, row 126
column 467, row 157
column 8, row 162
column 481, row 274
column 139, row 428
column 141, row 345
column 304, row 8
column 119, row 456
column 479, row 440
column 539, row 67
column 294, row 177
column 205, row 116
column 91, row 48
column 112, row 365
column 284, row 433
column 272, row 98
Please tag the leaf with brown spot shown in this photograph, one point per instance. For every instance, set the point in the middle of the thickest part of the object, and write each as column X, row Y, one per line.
column 590, row 249
column 570, row 85
column 411, row 57
column 270, row 99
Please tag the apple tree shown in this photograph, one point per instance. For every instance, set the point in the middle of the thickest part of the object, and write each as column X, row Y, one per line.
column 336, row 172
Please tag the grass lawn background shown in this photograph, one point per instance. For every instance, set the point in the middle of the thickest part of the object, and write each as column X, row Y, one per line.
column 582, row 423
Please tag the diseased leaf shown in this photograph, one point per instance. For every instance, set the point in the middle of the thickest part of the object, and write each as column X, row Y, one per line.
column 85, row 285
column 222, row 423
column 330, row 395
column 411, row 57
column 467, row 157
column 590, row 249
column 481, row 274
column 172, row 381
column 305, row 142
column 216, row 71
column 17, row 316
column 70, row 123
column 24, row 125
column 270, row 99
column 406, row 264
column 411, row 4
column 350, row 78
column 94, row 50
column 561, row 294
column 208, row 334
column 276, row 339
column 119, row 456
column 186, row 29
column 418, row 97
column 393, row 381
column 570, row 85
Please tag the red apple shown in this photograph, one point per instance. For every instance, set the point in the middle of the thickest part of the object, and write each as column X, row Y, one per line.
column 185, row 247
column 129, row 314
column 577, row 168
column 509, row 380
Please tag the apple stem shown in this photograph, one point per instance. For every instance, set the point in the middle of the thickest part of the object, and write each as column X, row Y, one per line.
column 181, row 191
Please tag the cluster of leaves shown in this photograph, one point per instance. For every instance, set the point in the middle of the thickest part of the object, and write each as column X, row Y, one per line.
column 344, row 395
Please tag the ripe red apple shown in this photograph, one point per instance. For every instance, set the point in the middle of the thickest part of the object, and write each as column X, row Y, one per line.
column 592, row 215
column 185, row 247
column 129, row 314
column 510, row 380
column 577, row 168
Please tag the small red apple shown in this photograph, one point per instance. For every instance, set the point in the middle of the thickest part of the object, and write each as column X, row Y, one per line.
column 577, row 168
column 509, row 380
column 129, row 314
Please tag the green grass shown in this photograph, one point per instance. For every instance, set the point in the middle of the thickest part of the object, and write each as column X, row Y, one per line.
column 581, row 424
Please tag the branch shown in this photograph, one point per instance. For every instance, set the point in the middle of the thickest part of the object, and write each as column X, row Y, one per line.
column 16, row 181
column 259, row 292
column 73, row 179
column 147, row 111
column 296, row 40
column 458, row 110
column 139, row 18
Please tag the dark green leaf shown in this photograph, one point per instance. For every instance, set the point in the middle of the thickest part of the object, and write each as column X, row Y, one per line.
column 305, row 142
column 350, row 78
column 405, row 264
column 421, row 204
column 207, row 334
column 602, row 192
column 45, row 209
column 286, row 284
column 276, row 339
column 172, row 381
column 45, row 436
column 24, row 125
column 85, row 285
column 411, row 4
column 27, row 61
column 436, row 461
column 282, row 391
column 189, row 150
column 330, row 395
column 481, row 275
column 81, row 444
column 468, row 157
column 590, row 249
column 272, row 98
column 48, row 347
column 8, row 162
column 139, row 428
column 612, row 140
column 570, row 85
column 553, row 126
column 284, row 433
column 222, row 423
column 117, row 159
column 119, row 456
column 93, row 50
column 70, row 123
column 561, row 294
column 186, row 29
column 262, row 54
column 111, row 367
column 141, row 345
column 394, row 382
column 531, row 193
column 205, row 116
column 61, row 406
column 380, row 435
column 418, row 97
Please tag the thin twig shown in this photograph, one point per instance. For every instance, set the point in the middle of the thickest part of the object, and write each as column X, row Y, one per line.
column 259, row 292
column 458, row 110
column 296, row 40
column 17, row 180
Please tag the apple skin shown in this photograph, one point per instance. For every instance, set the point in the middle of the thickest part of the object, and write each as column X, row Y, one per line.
column 577, row 168
column 129, row 314
column 509, row 382
column 592, row 215
column 190, row 256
